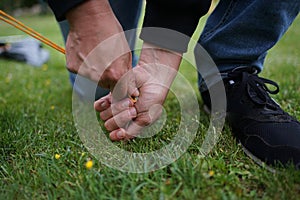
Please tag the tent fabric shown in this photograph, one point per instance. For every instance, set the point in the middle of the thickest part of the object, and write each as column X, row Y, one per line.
column 26, row 50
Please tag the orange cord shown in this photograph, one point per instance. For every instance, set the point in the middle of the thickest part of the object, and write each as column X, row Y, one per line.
column 19, row 25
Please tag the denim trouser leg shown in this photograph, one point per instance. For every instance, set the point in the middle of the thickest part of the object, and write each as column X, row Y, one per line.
column 128, row 13
column 240, row 32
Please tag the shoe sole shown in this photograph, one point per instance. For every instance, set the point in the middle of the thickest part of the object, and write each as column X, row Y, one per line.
column 257, row 160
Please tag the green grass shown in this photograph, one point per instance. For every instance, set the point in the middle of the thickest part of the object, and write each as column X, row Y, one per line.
column 36, row 123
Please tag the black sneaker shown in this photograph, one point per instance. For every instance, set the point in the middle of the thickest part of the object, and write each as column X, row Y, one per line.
column 266, row 132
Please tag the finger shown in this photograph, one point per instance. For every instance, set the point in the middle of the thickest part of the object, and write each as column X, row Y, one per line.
column 133, row 94
column 119, row 134
column 136, row 126
column 103, row 103
column 126, row 86
column 143, row 120
column 121, row 119
column 116, row 108
column 120, row 89
column 132, row 88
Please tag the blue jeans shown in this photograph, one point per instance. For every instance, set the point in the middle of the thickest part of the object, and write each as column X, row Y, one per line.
column 128, row 13
column 240, row 32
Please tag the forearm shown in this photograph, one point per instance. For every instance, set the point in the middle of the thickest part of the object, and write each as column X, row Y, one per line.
column 74, row 10
column 93, row 17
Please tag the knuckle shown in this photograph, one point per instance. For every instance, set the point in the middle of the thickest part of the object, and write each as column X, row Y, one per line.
column 118, row 107
column 111, row 74
column 71, row 67
column 145, row 120
column 122, row 118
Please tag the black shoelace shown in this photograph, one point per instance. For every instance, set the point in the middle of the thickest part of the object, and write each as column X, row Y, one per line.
column 256, row 87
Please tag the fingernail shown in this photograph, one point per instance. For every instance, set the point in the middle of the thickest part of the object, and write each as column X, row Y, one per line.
column 120, row 134
column 132, row 112
column 103, row 105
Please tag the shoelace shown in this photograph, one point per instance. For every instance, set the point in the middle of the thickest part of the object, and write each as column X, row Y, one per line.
column 257, row 88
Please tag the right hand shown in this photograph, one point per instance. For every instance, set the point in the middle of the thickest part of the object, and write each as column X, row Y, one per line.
column 91, row 24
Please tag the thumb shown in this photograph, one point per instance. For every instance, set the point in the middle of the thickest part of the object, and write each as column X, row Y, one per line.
column 132, row 89
column 125, row 87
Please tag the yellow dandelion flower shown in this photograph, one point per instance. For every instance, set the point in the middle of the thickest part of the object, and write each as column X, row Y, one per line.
column 57, row 156
column 211, row 173
column 52, row 107
column 89, row 164
column 47, row 82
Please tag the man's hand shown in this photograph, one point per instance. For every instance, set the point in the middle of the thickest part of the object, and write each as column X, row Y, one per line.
column 154, row 75
column 91, row 24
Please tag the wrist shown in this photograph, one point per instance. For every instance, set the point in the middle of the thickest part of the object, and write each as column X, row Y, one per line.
column 155, row 54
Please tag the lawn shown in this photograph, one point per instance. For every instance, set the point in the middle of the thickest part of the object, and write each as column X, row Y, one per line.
column 42, row 156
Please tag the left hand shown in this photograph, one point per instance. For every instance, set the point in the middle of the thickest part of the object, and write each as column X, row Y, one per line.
column 154, row 75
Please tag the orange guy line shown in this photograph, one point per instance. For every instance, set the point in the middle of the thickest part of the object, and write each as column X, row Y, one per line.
column 22, row 27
